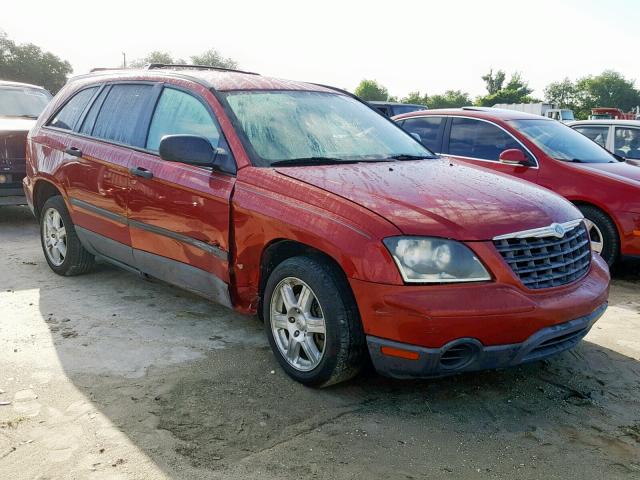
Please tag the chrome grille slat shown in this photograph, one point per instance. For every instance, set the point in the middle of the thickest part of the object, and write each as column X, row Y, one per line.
column 549, row 261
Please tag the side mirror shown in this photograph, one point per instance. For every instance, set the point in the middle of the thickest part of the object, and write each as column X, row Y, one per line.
column 189, row 149
column 416, row 136
column 515, row 157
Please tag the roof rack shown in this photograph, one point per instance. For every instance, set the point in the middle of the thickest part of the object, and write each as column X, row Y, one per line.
column 155, row 66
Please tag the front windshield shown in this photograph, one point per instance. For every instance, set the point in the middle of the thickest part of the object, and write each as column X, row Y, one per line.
column 562, row 142
column 567, row 115
column 22, row 102
column 290, row 126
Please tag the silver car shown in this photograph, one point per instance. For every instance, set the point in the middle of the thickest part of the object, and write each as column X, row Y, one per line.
column 621, row 137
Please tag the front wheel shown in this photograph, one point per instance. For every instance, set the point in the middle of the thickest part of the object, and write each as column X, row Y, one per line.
column 312, row 322
column 603, row 233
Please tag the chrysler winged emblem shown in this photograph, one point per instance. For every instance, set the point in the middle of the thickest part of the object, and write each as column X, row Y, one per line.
column 558, row 230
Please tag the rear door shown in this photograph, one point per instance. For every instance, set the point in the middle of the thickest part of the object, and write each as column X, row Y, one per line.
column 626, row 142
column 179, row 214
column 101, row 149
column 480, row 142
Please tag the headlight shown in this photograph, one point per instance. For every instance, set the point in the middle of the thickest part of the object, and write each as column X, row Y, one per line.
column 435, row 260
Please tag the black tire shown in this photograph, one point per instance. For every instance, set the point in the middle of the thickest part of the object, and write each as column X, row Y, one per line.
column 344, row 342
column 610, row 238
column 77, row 260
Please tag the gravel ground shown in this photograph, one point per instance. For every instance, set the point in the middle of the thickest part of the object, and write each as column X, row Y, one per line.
column 110, row 376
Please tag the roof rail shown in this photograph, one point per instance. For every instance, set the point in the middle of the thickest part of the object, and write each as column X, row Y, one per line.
column 103, row 69
column 155, row 66
column 479, row 109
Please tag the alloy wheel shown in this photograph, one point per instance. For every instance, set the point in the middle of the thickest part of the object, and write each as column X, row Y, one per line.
column 54, row 237
column 597, row 240
column 298, row 324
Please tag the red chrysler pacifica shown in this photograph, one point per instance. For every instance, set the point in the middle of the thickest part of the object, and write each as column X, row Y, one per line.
column 605, row 188
column 301, row 203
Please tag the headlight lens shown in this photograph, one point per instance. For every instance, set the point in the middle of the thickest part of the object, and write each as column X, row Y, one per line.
column 435, row 260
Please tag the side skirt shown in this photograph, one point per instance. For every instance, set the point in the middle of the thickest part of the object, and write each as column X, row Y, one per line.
column 176, row 273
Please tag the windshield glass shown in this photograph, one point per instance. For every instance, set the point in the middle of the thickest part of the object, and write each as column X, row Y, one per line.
column 286, row 126
column 22, row 102
column 567, row 115
column 562, row 142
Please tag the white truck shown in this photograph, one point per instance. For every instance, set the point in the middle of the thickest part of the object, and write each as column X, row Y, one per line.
column 543, row 109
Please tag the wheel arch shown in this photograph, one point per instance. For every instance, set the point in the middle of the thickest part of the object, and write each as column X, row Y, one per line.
column 584, row 203
column 279, row 250
column 42, row 191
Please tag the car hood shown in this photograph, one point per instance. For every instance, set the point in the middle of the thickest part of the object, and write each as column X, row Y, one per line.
column 12, row 124
column 440, row 198
column 629, row 170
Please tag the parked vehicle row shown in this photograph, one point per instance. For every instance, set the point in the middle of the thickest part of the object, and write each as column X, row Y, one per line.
column 303, row 204
column 550, row 154
column 20, row 105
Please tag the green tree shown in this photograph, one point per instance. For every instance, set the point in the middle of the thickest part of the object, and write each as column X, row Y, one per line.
column 213, row 58
column 450, row 99
column 609, row 89
column 156, row 57
column 515, row 91
column 28, row 63
column 370, row 90
column 494, row 82
column 414, row 97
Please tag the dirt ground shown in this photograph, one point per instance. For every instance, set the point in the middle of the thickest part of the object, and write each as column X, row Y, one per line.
column 109, row 377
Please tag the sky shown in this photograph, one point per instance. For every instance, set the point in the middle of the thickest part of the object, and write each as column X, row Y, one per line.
column 406, row 45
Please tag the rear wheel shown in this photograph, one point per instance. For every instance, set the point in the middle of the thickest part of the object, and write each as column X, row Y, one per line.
column 62, row 248
column 603, row 233
column 312, row 322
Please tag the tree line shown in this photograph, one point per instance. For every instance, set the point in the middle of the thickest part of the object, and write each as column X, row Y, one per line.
column 28, row 63
column 609, row 89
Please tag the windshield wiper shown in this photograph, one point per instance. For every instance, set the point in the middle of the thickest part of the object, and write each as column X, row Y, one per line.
column 311, row 161
column 405, row 156
column 20, row 116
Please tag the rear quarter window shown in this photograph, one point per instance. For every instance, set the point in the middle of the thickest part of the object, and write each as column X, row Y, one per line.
column 68, row 115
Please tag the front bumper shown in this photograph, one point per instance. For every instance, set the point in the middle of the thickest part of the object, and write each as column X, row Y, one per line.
column 469, row 354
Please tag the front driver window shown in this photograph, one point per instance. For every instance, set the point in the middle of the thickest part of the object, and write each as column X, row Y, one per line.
column 477, row 139
column 597, row 134
column 179, row 113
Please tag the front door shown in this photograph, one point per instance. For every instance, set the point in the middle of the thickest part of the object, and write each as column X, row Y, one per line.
column 179, row 214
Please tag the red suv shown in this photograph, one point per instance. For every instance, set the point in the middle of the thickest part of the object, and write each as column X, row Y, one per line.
column 303, row 204
column 605, row 187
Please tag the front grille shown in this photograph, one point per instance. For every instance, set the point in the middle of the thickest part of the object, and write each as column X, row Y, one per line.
column 548, row 261
column 12, row 147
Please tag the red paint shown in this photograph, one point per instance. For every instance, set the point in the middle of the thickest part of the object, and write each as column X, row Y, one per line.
column 343, row 211
column 612, row 187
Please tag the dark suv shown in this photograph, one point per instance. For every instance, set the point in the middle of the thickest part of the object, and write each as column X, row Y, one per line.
column 394, row 108
column 20, row 105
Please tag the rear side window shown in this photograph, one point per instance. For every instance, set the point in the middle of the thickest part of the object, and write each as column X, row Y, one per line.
column 428, row 129
column 122, row 114
column 477, row 139
column 68, row 115
column 178, row 113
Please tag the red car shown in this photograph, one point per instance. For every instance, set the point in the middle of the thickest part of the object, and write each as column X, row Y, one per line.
column 301, row 203
column 604, row 187
column 20, row 105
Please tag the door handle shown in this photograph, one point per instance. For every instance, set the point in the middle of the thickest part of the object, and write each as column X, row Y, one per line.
column 141, row 172
column 73, row 151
